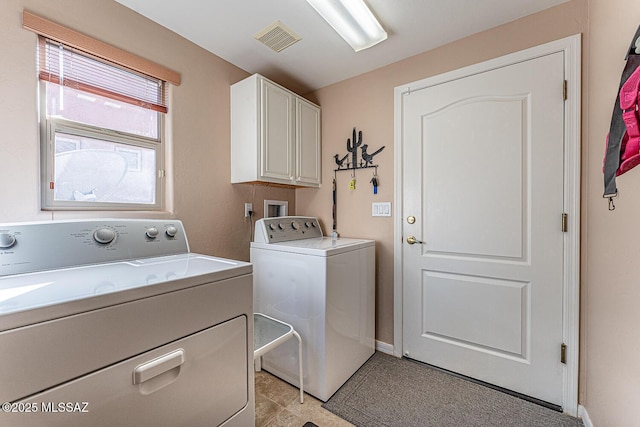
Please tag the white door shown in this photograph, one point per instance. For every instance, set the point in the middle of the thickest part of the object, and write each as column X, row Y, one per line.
column 482, row 173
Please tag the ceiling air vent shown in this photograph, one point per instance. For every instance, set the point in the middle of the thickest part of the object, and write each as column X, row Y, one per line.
column 277, row 36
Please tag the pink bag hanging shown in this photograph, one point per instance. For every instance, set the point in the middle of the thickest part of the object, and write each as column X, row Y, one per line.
column 623, row 141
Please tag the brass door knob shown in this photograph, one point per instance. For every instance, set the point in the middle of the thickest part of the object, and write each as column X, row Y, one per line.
column 412, row 240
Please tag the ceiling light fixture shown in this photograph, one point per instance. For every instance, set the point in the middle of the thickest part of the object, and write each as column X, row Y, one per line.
column 353, row 20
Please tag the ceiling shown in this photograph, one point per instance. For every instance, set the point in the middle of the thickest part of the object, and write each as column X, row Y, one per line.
column 227, row 28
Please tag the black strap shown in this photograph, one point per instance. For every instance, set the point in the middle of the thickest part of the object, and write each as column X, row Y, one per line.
column 617, row 128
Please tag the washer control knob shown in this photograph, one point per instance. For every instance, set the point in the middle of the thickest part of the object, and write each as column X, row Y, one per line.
column 307, row 224
column 295, row 225
column 280, row 226
column 104, row 236
column 272, row 226
column 171, row 231
column 6, row 240
column 152, row 232
column 313, row 224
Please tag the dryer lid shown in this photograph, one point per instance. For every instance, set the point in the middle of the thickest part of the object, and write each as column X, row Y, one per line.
column 51, row 294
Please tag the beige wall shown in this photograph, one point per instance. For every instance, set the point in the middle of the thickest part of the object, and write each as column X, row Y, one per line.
column 211, row 208
column 610, row 250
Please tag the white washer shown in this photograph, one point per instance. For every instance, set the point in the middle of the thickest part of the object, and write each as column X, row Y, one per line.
column 114, row 322
column 325, row 289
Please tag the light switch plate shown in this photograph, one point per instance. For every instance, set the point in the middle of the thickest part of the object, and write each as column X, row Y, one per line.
column 381, row 209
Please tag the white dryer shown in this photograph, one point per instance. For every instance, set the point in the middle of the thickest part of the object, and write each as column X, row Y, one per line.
column 114, row 322
column 324, row 288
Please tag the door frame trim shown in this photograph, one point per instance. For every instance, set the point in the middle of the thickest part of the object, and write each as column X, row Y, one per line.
column 571, row 48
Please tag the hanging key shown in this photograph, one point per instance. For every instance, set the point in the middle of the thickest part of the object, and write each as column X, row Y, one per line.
column 352, row 184
column 374, row 182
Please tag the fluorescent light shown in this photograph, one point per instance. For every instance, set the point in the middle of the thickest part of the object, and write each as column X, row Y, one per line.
column 353, row 20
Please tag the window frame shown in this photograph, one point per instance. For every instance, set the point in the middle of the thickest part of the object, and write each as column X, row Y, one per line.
column 48, row 128
column 45, row 28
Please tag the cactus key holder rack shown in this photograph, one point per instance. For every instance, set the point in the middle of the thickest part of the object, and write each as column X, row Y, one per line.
column 351, row 161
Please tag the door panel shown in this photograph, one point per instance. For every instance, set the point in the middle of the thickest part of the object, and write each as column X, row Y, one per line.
column 483, row 175
column 450, row 299
column 496, row 133
column 277, row 132
column 206, row 385
column 308, row 143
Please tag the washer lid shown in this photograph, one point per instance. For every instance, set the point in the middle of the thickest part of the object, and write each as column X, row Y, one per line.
column 317, row 246
column 52, row 294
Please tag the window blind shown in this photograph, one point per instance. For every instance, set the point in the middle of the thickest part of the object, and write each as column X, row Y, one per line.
column 84, row 43
column 66, row 66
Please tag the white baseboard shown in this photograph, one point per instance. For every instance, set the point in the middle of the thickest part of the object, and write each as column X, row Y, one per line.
column 582, row 413
column 383, row 347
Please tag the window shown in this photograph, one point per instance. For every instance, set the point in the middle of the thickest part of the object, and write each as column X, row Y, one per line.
column 101, row 132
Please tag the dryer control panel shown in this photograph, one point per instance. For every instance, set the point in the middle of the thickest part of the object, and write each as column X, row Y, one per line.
column 286, row 228
column 36, row 246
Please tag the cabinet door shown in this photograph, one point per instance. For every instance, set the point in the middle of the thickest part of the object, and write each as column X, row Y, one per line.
column 277, row 144
column 307, row 144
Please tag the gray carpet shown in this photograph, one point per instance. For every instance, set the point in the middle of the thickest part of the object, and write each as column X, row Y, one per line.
column 392, row 392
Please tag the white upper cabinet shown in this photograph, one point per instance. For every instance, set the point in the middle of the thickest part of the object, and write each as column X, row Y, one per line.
column 307, row 143
column 275, row 135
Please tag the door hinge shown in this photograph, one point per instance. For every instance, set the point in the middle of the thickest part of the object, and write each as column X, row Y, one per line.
column 565, row 220
column 161, row 173
column 563, row 353
column 564, row 90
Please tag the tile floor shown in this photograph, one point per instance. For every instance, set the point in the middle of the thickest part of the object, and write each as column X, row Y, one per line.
column 278, row 405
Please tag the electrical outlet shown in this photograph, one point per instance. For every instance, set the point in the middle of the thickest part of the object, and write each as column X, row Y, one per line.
column 248, row 207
